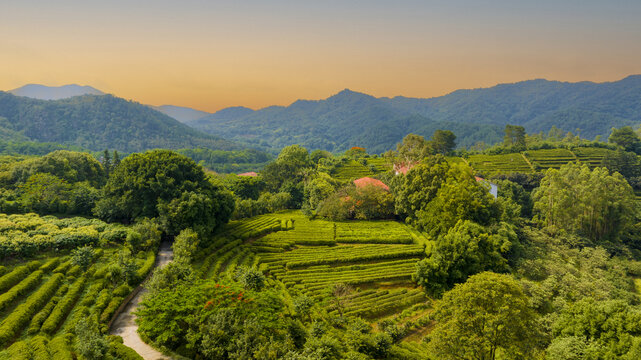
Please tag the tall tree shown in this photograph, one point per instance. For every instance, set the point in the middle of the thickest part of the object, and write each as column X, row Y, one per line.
column 487, row 317
column 468, row 248
column 514, row 136
column 106, row 162
column 116, row 159
column 460, row 197
column 412, row 149
column 419, row 186
column 626, row 138
column 590, row 202
column 443, row 141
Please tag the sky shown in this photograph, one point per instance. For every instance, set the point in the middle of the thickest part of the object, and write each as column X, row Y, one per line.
column 210, row 54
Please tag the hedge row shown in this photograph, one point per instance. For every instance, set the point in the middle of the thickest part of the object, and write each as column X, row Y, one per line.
column 114, row 304
column 42, row 315
column 146, row 267
column 13, row 324
column 63, row 307
column 22, row 288
column 46, row 267
column 17, row 275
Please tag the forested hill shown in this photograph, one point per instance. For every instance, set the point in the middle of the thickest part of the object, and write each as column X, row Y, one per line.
column 97, row 123
column 354, row 119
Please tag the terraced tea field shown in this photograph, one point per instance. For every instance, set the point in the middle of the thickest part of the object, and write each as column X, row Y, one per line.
column 591, row 156
column 549, row 158
column 500, row 164
column 306, row 257
column 536, row 160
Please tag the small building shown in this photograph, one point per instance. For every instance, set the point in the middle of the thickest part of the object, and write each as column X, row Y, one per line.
column 403, row 168
column 368, row 181
column 494, row 189
column 251, row 173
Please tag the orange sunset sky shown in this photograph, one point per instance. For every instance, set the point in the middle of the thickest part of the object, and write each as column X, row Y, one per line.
column 214, row 54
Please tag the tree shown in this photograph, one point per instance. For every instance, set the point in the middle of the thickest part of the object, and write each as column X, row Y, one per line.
column 443, row 141
column 603, row 329
column 116, row 160
column 82, row 256
column 590, row 202
column 412, row 150
column 245, row 187
column 460, row 197
column 106, row 162
column 419, row 186
column 467, row 248
column 185, row 246
column 45, row 193
column 319, row 189
column 70, row 166
column 626, row 138
column 514, row 136
column 250, row 278
column 88, row 342
column 485, row 318
column 144, row 185
column 340, row 296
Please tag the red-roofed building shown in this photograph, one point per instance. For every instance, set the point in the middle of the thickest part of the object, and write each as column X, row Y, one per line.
column 403, row 167
column 368, row 181
column 494, row 189
column 251, row 173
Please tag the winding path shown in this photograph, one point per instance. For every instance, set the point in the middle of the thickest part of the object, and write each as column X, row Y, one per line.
column 125, row 324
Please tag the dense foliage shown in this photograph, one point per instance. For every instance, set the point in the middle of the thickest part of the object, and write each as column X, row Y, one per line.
column 163, row 184
column 99, row 122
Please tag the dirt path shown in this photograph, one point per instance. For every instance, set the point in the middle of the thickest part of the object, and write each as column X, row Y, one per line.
column 125, row 324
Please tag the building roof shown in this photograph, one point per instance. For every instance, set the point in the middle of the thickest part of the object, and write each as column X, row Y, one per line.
column 251, row 173
column 368, row 181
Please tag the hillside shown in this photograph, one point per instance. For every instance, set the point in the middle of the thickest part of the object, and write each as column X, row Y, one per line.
column 43, row 92
column 350, row 118
column 99, row 122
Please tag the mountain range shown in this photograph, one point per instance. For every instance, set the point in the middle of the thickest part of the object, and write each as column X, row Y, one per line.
column 42, row 92
column 336, row 123
column 351, row 118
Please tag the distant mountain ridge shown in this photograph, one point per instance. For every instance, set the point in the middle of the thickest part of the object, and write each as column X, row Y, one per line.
column 97, row 122
column 183, row 114
column 350, row 118
column 43, row 92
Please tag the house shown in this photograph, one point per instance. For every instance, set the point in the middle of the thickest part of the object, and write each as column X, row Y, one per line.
column 368, row 181
column 403, row 168
column 494, row 189
column 251, row 173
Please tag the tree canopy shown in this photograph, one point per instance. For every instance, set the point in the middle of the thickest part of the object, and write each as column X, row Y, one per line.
column 162, row 182
column 485, row 318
